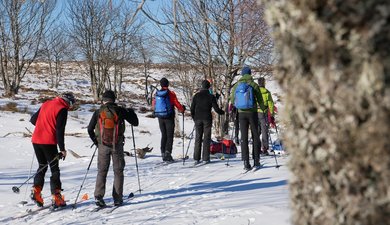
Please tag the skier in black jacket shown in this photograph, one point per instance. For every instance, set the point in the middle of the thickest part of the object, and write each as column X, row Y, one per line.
column 114, row 150
column 201, row 106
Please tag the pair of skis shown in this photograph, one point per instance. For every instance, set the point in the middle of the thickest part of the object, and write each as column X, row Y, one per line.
column 111, row 208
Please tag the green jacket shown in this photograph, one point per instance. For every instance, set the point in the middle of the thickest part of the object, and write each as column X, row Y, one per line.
column 259, row 103
column 268, row 102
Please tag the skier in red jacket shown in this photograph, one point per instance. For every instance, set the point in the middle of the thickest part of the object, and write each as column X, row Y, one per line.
column 50, row 121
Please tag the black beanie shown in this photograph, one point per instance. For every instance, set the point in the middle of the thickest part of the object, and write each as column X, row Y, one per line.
column 261, row 82
column 164, row 82
column 69, row 98
column 109, row 96
column 205, row 84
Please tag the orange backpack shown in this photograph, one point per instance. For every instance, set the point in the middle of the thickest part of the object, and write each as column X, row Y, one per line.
column 108, row 125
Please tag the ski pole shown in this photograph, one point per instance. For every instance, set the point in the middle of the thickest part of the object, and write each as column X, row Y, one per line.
column 135, row 156
column 231, row 137
column 183, row 139
column 189, row 143
column 17, row 189
column 90, row 162
column 270, row 139
column 277, row 133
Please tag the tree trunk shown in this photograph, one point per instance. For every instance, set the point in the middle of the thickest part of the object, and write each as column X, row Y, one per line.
column 334, row 68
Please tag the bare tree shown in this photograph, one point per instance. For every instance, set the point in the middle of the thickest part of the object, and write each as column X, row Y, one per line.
column 334, row 68
column 215, row 38
column 127, row 45
column 56, row 49
column 102, row 31
column 145, row 54
column 22, row 27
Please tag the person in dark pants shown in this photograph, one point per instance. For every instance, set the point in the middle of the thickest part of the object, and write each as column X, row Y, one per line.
column 201, row 106
column 248, row 117
column 50, row 122
column 110, row 147
column 167, row 122
column 263, row 115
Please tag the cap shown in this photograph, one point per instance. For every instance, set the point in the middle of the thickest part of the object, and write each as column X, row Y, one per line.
column 109, row 96
column 205, row 84
column 246, row 70
column 261, row 81
column 69, row 98
column 164, row 82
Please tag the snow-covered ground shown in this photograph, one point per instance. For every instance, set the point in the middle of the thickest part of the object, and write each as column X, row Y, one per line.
column 171, row 194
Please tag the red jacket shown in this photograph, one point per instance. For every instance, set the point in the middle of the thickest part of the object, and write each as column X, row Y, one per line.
column 172, row 99
column 45, row 126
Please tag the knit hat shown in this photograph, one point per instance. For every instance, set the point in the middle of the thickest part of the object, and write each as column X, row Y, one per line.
column 261, row 81
column 205, row 84
column 164, row 82
column 108, row 96
column 246, row 70
column 69, row 98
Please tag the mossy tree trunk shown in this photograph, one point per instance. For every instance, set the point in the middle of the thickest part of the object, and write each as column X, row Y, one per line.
column 335, row 69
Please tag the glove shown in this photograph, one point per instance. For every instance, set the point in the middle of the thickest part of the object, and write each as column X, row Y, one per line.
column 217, row 95
column 62, row 155
column 184, row 108
column 272, row 122
column 95, row 142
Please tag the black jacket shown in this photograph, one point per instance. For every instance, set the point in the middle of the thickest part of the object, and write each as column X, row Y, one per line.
column 123, row 114
column 201, row 105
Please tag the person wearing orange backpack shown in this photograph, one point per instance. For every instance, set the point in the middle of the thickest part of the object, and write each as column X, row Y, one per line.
column 163, row 108
column 50, row 121
column 106, row 129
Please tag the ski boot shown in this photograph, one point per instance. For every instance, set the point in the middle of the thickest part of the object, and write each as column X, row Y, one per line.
column 168, row 158
column 36, row 195
column 118, row 202
column 247, row 165
column 58, row 200
column 100, row 202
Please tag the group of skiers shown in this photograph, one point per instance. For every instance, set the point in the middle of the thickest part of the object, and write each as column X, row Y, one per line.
column 107, row 126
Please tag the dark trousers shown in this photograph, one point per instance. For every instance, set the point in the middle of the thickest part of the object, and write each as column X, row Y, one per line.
column 249, row 119
column 105, row 153
column 263, row 130
column 45, row 154
column 203, row 135
column 236, row 127
column 167, row 128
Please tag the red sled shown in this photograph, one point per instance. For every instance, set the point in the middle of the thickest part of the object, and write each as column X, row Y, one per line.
column 215, row 147
column 229, row 147
column 225, row 146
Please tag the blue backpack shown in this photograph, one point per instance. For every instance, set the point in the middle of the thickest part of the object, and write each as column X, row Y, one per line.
column 244, row 96
column 163, row 107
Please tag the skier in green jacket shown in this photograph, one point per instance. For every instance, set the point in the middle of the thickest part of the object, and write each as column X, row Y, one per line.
column 248, row 116
column 263, row 115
